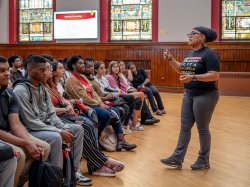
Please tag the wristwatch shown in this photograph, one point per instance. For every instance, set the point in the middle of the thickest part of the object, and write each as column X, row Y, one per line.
column 194, row 78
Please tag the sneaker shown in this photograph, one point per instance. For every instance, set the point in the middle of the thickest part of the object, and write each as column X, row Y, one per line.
column 82, row 180
column 126, row 130
column 172, row 161
column 151, row 121
column 164, row 111
column 137, row 127
column 200, row 164
column 159, row 112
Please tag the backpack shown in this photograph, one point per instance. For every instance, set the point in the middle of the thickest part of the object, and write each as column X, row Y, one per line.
column 26, row 83
column 69, row 177
column 44, row 174
column 6, row 151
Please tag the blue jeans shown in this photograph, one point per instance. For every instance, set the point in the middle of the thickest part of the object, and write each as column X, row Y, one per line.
column 197, row 109
column 145, row 112
column 118, row 126
column 152, row 93
column 103, row 118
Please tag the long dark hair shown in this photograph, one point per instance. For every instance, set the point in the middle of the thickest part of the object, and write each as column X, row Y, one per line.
column 97, row 65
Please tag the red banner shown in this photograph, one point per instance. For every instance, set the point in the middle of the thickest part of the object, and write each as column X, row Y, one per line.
column 75, row 16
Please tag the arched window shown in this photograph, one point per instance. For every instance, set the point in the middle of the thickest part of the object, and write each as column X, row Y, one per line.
column 35, row 20
column 235, row 19
column 130, row 20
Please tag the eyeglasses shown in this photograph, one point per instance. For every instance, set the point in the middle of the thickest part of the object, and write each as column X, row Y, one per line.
column 192, row 33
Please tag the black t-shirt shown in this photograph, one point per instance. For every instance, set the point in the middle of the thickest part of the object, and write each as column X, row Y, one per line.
column 200, row 62
column 139, row 78
column 8, row 105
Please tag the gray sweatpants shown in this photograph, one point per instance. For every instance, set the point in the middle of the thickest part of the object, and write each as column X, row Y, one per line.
column 197, row 109
column 7, row 172
column 55, row 141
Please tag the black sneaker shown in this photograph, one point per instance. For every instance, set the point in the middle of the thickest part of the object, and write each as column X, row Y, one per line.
column 200, row 164
column 172, row 161
column 150, row 121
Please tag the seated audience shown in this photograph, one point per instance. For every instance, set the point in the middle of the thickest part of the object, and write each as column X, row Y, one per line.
column 14, row 133
column 139, row 79
column 78, row 87
column 107, row 93
column 118, row 82
column 146, row 116
column 121, row 143
column 15, row 62
column 98, row 163
column 38, row 115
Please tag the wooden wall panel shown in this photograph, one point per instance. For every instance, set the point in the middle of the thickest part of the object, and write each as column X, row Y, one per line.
column 235, row 56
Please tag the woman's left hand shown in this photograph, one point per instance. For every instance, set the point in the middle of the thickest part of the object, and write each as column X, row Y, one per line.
column 185, row 78
column 70, row 109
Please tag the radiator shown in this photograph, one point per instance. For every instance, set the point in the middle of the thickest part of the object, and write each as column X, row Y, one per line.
column 234, row 83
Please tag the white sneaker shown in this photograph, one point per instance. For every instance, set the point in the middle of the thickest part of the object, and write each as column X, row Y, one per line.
column 137, row 127
column 126, row 129
column 82, row 180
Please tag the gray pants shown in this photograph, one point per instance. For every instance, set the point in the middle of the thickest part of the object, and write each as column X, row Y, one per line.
column 7, row 172
column 197, row 109
column 55, row 141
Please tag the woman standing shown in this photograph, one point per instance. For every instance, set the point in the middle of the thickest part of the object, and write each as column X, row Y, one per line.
column 199, row 73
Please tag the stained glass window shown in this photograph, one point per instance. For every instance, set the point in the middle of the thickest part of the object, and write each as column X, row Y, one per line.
column 131, row 20
column 235, row 19
column 35, row 20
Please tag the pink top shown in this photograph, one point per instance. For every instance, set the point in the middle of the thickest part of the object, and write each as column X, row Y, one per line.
column 117, row 83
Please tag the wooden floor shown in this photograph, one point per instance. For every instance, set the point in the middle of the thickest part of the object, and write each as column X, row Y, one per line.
column 230, row 153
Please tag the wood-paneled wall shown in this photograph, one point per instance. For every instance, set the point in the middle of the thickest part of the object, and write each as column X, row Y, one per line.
column 235, row 56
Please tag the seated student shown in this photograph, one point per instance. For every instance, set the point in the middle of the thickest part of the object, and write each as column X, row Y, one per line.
column 77, row 86
column 98, row 163
column 38, row 115
column 48, row 57
column 107, row 93
column 7, row 170
column 63, row 107
column 106, row 97
column 139, row 78
column 146, row 116
column 15, row 63
column 13, row 132
column 121, row 142
column 118, row 81
column 66, row 71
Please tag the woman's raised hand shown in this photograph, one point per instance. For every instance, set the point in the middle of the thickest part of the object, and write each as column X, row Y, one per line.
column 167, row 55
